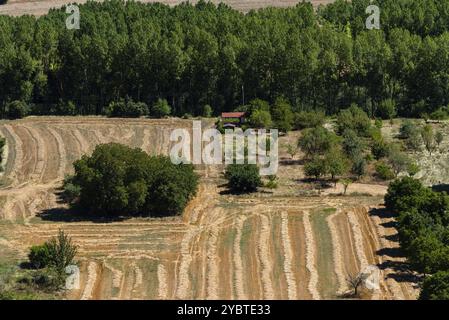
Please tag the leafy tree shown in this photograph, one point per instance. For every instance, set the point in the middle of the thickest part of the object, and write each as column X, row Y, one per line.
column 127, row 109
column 308, row 119
column 387, row 109
column 61, row 251
column 161, row 109
column 243, row 177
column 428, row 137
column 435, row 287
column 359, row 166
column 260, row 119
column 118, row 180
column 414, row 141
column 39, row 256
column 356, row 119
column 337, row 164
column 346, row 183
column 405, row 194
column 352, row 145
column 207, row 111
column 316, row 167
column 282, row 115
column 407, row 129
column 398, row 160
column 17, row 110
column 317, row 141
column 292, row 150
column 384, row 171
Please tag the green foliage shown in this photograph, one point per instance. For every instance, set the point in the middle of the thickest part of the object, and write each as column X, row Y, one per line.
column 359, row 166
column 17, row 110
column 316, row 141
column 39, row 256
column 412, row 169
column 439, row 138
column 308, row 119
column 428, row 138
column 352, row 144
column 387, row 109
column 282, row 115
column 436, row 287
column 316, row 168
column 379, row 149
column 161, row 109
column 439, row 114
column 118, row 180
column 405, row 194
column 207, row 111
column 61, row 252
column 398, row 160
column 407, row 129
column 384, row 171
column 71, row 191
column 272, row 182
column 127, row 109
column 260, row 119
column 243, row 178
column 336, row 163
column 355, row 119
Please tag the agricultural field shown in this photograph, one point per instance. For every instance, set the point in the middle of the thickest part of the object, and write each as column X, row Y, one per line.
column 41, row 7
column 287, row 243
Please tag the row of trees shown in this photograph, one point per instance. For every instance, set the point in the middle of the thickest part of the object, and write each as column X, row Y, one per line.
column 207, row 55
column 423, row 221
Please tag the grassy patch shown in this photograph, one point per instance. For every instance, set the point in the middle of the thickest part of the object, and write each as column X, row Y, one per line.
column 327, row 283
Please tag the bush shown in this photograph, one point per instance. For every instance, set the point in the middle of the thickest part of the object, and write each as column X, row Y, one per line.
column 436, row 287
column 161, row 109
column 127, row 109
column 260, row 119
column 387, row 109
column 308, row 119
column 407, row 129
column 317, row 141
column 384, row 171
column 39, row 256
column 405, row 194
column 207, row 111
column 354, row 118
column 272, row 182
column 119, row 180
column 282, row 115
column 243, row 178
column 71, row 190
column 315, row 168
column 17, row 110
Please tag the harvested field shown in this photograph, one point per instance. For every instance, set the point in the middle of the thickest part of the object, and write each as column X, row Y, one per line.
column 261, row 246
column 41, row 7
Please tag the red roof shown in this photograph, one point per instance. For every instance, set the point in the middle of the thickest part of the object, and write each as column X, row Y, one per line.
column 232, row 114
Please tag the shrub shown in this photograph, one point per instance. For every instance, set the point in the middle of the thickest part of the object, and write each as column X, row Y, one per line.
column 282, row 115
column 17, row 110
column 272, row 182
column 161, row 109
column 359, row 166
column 384, row 171
column 119, row 180
column 407, row 128
column 207, row 111
column 354, row 118
column 308, row 119
column 317, row 141
column 379, row 149
column 436, row 287
column 39, row 256
column 405, row 194
column 243, row 177
column 316, row 168
column 387, row 109
column 61, row 252
column 71, row 190
column 260, row 119
column 127, row 109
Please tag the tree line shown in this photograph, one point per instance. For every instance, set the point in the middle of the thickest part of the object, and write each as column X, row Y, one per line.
column 423, row 220
column 193, row 56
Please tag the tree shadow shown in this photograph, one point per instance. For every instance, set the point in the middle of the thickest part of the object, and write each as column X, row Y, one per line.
column 389, row 224
column 390, row 252
column 381, row 213
column 291, row 162
column 72, row 215
column 442, row 187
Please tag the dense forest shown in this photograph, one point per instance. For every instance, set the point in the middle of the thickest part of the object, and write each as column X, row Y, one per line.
column 196, row 56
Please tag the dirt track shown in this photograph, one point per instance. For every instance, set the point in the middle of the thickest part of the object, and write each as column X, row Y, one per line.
column 41, row 7
column 278, row 246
